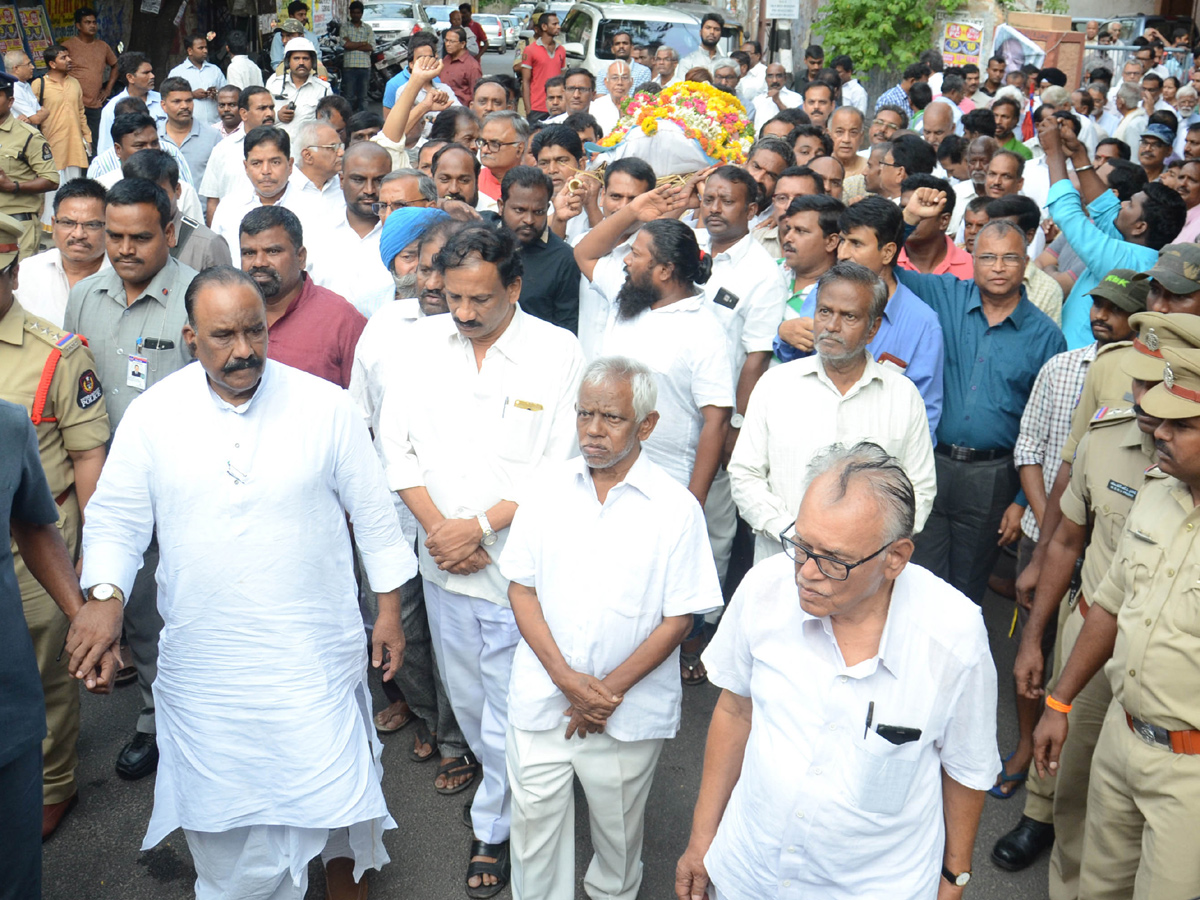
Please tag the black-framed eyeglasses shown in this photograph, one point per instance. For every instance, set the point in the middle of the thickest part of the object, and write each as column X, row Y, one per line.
column 494, row 146
column 831, row 568
column 380, row 206
column 890, row 165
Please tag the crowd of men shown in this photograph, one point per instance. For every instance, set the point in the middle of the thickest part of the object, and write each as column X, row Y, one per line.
column 296, row 390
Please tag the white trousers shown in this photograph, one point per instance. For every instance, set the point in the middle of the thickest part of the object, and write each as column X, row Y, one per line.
column 474, row 642
column 261, row 862
column 616, row 778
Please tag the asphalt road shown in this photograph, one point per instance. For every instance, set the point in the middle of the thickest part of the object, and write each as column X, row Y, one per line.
column 95, row 854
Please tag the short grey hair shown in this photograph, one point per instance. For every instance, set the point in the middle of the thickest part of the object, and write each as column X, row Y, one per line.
column 725, row 62
column 425, row 186
column 1187, row 92
column 883, row 474
column 14, row 58
column 1057, row 96
column 1129, row 94
column 858, row 274
column 606, row 369
column 519, row 123
column 671, row 50
column 1002, row 227
column 308, row 134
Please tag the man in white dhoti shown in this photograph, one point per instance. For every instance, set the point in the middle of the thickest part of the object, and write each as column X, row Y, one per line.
column 488, row 398
column 602, row 649
column 247, row 469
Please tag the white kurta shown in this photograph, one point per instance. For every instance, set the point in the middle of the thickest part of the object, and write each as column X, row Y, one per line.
column 261, row 696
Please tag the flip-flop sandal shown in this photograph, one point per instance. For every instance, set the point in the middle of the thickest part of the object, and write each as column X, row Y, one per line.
column 427, row 738
column 390, row 729
column 501, row 869
column 125, row 675
column 459, row 766
column 690, row 663
column 1017, row 778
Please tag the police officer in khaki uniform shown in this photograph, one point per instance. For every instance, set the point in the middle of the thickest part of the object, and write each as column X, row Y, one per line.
column 52, row 374
column 1144, row 621
column 27, row 170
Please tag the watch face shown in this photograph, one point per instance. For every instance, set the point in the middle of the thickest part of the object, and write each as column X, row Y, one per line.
column 962, row 879
column 102, row 591
column 489, row 539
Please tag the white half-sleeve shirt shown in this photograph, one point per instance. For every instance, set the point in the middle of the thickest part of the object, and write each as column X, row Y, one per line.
column 657, row 531
column 820, row 809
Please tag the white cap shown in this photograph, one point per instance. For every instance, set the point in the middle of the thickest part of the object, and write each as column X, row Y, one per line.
column 299, row 44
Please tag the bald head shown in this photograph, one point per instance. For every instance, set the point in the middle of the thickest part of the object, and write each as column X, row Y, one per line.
column 937, row 122
column 363, row 168
column 619, row 80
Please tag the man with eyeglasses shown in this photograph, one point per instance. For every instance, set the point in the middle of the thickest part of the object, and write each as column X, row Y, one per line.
column 622, row 51
column 78, row 231
column 1001, row 341
column 606, row 108
column 579, row 90
column 318, row 163
column 888, row 120
column 403, row 188
column 501, row 145
column 880, row 790
column 841, row 385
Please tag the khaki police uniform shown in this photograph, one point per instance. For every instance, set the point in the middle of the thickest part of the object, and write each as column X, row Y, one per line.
column 1140, row 837
column 1106, row 385
column 1108, row 472
column 52, row 374
column 24, row 156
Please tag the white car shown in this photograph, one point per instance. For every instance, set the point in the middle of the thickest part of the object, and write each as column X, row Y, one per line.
column 391, row 19
column 494, row 29
column 512, row 29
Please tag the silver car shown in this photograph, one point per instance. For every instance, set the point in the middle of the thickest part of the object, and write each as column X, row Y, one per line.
column 391, row 19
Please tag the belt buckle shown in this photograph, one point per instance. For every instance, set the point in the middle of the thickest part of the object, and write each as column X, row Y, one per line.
column 1151, row 734
column 960, row 454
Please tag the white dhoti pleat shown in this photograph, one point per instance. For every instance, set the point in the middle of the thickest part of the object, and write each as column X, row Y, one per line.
column 720, row 514
column 256, row 862
column 474, row 642
column 616, row 777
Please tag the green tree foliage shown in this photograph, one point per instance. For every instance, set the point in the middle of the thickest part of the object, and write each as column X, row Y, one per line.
column 884, row 35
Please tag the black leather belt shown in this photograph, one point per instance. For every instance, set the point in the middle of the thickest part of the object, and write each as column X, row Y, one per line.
column 969, row 454
column 23, row 217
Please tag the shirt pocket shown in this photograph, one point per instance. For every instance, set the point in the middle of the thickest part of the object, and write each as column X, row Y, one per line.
column 882, row 773
column 1143, row 561
column 520, row 428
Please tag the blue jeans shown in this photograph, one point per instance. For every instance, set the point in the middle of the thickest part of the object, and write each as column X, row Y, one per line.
column 354, row 86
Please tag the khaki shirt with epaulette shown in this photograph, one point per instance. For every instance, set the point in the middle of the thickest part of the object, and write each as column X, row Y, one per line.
column 24, row 156
column 1110, row 465
column 1153, row 588
column 1107, row 384
column 73, row 413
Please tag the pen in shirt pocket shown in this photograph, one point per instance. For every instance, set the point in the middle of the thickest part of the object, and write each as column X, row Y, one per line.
column 504, row 409
column 870, row 716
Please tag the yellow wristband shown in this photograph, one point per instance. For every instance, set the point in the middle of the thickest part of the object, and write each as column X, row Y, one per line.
column 1057, row 705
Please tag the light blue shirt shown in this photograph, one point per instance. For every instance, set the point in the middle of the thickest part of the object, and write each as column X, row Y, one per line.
column 397, row 82
column 1099, row 245
column 104, row 139
column 909, row 336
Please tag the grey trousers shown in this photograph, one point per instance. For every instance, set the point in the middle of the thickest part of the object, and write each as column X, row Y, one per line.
column 418, row 680
column 958, row 543
column 142, row 625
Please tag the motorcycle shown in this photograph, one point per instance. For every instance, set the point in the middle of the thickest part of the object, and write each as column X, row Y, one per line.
column 332, row 53
column 387, row 62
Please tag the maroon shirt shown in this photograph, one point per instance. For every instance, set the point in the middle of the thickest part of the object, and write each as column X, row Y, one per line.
column 317, row 333
column 460, row 76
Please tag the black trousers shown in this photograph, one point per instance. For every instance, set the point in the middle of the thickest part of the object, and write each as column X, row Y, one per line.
column 93, row 121
column 958, row 543
column 21, row 825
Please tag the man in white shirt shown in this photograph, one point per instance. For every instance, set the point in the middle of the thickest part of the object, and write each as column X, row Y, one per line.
column 226, row 167
column 268, row 167
column 606, row 107
column 78, row 231
column 137, row 76
column 243, row 72
column 201, row 460
column 605, row 650
column 853, row 93
column 747, row 292
column 297, row 90
column 707, row 53
column 658, row 315
column 841, row 387
column 495, row 404
column 666, row 66
column 25, row 105
column 776, row 98
column 892, row 741
column 204, row 77
column 754, row 82
column 135, row 133
column 318, row 154
column 346, row 259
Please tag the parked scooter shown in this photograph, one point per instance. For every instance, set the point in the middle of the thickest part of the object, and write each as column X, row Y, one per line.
column 387, row 62
column 332, row 53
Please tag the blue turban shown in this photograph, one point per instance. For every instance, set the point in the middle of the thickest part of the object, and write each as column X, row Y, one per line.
column 403, row 227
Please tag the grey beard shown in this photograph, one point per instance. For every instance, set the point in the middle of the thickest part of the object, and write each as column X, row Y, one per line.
column 406, row 285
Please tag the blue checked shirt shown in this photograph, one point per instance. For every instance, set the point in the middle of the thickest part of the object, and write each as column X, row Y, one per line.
column 357, row 59
column 895, row 97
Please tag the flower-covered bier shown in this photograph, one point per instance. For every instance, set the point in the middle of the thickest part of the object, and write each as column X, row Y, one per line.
column 714, row 119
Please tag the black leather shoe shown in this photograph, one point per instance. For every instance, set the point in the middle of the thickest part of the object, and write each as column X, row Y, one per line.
column 1021, row 846
column 138, row 758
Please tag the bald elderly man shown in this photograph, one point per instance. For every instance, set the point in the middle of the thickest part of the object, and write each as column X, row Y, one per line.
column 607, row 107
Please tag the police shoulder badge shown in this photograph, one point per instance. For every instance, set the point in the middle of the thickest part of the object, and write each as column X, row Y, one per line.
column 89, row 390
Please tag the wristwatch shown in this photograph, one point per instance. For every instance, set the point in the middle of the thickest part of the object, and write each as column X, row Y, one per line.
column 489, row 536
column 735, row 421
column 959, row 880
column 102, row 592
